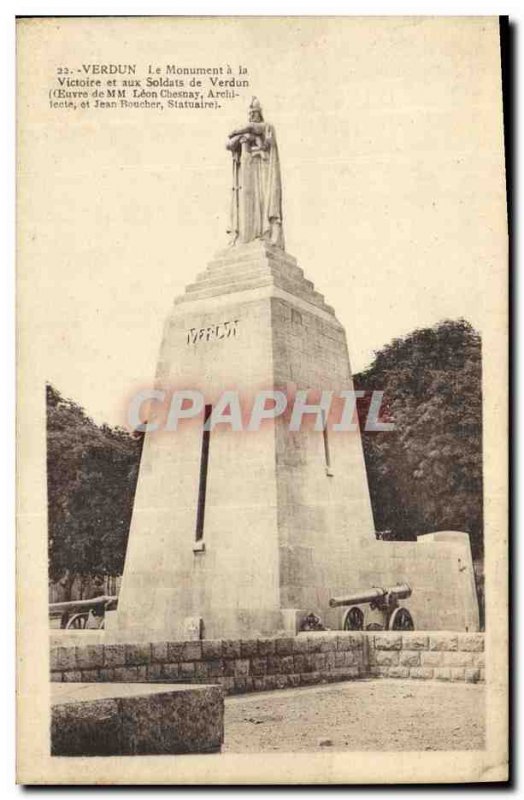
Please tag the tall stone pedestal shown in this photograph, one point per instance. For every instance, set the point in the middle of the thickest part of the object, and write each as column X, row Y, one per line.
column 284, row 513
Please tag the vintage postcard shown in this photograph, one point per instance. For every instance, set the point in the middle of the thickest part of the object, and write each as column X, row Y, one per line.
column 262, row 293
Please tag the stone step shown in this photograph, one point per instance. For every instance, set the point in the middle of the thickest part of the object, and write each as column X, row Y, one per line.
column 202, row 291
column 277, row 276
column 252, row 266
column 248, row 264
column 230, row 276
column 258, row 249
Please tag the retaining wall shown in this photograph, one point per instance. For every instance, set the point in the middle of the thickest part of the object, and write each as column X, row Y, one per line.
column 262, row 664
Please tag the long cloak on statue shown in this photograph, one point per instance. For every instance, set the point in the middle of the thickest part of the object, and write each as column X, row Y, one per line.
column 257, row 188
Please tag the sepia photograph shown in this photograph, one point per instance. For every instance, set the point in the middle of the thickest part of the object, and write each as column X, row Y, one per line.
column 262, row 288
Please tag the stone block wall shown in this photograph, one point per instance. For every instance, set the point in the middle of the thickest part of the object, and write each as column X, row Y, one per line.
column 264, row 664
column 237, row 665
column 427, row 656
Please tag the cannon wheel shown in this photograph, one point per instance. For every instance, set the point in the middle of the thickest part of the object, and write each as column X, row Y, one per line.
column 78, row 621
column 354, row 619
column 401, row 620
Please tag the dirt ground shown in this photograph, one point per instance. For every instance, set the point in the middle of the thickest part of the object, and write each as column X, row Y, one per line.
column 357, row 715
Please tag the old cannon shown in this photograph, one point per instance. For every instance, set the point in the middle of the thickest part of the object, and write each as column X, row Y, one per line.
column 384, row 613
column 80, row 614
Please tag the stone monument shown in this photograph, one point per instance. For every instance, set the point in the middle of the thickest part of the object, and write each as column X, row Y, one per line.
column 236, row 534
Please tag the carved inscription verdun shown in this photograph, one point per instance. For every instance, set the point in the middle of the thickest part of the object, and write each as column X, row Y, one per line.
column 222, row 330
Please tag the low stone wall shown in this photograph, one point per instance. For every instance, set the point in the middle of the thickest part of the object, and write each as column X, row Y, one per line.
column 440, row 656
column 262, row 664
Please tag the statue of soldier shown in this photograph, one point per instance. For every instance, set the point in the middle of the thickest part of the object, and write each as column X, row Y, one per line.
column 256, row 207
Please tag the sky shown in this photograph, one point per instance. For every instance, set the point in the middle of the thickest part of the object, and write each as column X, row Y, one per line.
column 390, row 143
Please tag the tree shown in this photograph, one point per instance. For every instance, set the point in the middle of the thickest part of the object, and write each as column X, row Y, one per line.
column 91, row 479
column 426, row 475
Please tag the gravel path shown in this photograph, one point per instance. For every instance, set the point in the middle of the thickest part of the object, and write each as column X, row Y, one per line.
column 357, row 715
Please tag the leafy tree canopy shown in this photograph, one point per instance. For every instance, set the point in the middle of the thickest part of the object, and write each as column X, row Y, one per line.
column 426, row 475
column 91, row 479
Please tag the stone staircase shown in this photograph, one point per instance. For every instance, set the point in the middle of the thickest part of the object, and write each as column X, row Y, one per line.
column 251, row 266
